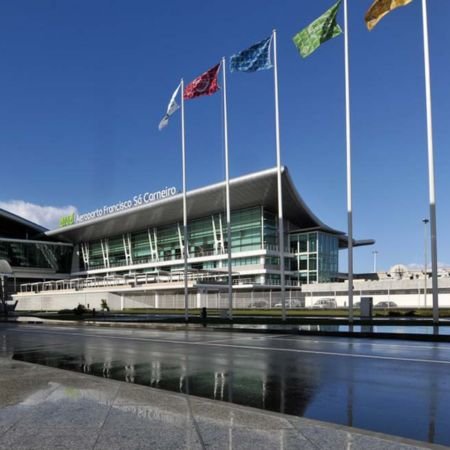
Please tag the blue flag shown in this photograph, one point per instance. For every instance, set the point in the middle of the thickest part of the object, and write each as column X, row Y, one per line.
column 256, row 57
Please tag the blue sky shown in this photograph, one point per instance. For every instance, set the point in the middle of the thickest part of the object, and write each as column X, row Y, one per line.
column 84, row 84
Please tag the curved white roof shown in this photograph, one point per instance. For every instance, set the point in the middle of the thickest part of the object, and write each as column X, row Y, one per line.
column 256, row 189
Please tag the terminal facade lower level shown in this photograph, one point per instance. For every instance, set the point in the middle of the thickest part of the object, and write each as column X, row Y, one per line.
column 140, row 250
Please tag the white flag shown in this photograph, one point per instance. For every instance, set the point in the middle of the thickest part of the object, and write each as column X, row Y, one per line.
column 171, row 108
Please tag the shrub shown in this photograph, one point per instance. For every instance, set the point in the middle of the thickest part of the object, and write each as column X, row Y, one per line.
column 105, row 306
column 80, row 310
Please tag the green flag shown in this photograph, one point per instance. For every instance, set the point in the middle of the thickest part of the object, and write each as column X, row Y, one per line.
column 319, row 31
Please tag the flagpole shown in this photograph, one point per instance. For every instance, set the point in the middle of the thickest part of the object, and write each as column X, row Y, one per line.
column 185, row 246
column 227, row 191
column 431, row 183
column 349, row 168
column 279, row 183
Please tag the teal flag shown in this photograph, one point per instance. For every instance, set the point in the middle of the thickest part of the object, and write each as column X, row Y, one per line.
column 321, row 30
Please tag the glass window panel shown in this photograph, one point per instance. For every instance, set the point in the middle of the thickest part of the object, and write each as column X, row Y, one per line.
column 312, row 242
column 312, row 262
column 37, row 255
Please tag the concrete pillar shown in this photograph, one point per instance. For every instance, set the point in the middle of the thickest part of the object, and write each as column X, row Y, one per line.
column 122, row 302
column 199, row 299
column 156, row 300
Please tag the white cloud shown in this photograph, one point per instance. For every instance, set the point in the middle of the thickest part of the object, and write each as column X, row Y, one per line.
column 47, row 216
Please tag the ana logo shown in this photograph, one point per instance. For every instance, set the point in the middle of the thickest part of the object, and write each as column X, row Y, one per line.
column 67, row 220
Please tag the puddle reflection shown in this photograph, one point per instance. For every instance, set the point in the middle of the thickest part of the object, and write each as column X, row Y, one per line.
column 342, row 391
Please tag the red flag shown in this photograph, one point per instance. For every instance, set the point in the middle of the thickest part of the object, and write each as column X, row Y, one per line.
column 205, row 84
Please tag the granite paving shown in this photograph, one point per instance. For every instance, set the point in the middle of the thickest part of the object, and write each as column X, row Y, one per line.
column 47, row 408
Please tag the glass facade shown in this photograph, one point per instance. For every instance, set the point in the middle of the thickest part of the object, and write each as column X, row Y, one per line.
column 327, row 258
column 206, row 237
column 246, row 230
column 140, row 247
column 312, row 256
column 270, row 230
column 96, row 256
column 36, row 255
column 316, row 256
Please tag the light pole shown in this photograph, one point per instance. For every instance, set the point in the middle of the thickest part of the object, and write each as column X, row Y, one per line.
column 425, row 275
column 375, row 253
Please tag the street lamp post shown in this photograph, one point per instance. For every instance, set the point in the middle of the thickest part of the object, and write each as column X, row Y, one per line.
column 425, row 275
column 375, row 253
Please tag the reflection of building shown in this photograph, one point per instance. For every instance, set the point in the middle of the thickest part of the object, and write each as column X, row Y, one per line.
column 136, row 255
column 265, row 384
column 32, row 255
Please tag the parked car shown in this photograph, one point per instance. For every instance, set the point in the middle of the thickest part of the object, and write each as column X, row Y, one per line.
column 290, row 304
column 386, row 305
column 258, row 304
column 325, row 303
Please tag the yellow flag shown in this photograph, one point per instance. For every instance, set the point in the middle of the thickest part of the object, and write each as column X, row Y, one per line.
column 380, row 8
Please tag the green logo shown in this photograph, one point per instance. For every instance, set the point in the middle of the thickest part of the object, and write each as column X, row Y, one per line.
column 67, row 220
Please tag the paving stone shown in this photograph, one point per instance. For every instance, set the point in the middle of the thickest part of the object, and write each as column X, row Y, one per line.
column 8, row 417
column 137, row 395
column 242, row 417
column 137, row 427
column 224, row 436
column 48, row 438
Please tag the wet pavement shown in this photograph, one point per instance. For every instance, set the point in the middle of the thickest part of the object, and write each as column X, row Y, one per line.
column 47, row 408
column 396, row 387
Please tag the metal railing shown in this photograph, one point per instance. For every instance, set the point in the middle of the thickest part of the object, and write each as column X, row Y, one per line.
column 135, row 280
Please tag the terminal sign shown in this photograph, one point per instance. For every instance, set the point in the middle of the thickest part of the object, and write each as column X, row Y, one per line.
column 137, row 200
column 67, row 220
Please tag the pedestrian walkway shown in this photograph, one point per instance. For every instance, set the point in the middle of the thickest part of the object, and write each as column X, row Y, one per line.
column 47, row 408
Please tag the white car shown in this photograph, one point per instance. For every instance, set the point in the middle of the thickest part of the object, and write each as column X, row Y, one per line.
column 325, row 303
column 386, row 305
column 290, row 304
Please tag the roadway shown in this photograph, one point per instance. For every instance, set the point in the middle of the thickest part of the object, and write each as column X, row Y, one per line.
column 393, row 387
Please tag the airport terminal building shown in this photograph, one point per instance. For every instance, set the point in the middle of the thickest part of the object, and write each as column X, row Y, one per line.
column 32, row 256
column 132, row 253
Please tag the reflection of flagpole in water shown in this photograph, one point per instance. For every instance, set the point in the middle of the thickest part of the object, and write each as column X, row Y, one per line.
column 230, row 385
column 283, row 387
column 433, row 403
column 216, row 383
column 184, row 377
column 264, row 391
column 350, row 404
column 230, row 431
